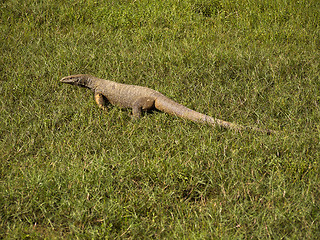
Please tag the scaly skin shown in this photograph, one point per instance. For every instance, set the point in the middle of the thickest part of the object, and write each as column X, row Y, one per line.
column 142, row 98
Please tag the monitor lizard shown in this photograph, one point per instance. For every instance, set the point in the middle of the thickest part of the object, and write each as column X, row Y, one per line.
column 140, row 99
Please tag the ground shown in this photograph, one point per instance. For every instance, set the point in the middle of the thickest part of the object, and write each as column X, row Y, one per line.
column 71, row 170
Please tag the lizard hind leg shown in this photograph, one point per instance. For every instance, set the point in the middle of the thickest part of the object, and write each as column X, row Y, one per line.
column 99, row 98
column 143, row 103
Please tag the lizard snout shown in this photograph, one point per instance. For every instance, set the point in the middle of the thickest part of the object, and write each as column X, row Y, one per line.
column 67, row 80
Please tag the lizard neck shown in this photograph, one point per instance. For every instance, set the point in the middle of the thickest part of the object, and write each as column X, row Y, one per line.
column 91, row 82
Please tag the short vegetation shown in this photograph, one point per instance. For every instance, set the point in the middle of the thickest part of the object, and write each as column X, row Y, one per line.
column 69, row 170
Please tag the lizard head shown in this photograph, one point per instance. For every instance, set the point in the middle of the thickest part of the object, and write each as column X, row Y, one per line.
column 79, row 80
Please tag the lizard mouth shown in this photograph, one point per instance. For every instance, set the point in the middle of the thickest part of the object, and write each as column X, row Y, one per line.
column 67, row 80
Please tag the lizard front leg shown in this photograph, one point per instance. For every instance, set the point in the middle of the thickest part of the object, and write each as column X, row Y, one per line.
column 143, row 103
column 100, row 100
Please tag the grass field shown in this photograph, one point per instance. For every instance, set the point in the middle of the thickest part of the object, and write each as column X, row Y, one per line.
column 69, row 170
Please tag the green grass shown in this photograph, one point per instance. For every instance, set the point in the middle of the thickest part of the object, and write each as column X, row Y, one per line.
column 69, row 170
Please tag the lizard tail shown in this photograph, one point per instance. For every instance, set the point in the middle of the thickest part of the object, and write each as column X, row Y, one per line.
column 169, row 106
